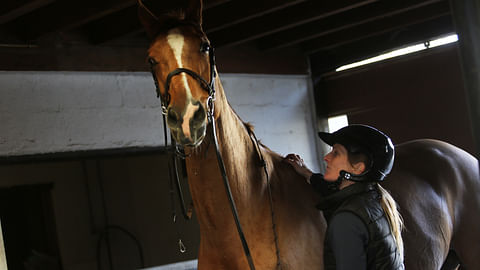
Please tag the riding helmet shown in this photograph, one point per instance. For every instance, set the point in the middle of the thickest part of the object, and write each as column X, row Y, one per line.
column 367, row 140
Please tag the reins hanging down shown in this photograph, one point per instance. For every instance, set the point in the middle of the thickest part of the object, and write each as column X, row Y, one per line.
column 231, row 201
column 173, row 175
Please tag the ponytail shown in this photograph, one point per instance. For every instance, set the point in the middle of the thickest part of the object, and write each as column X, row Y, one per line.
column 393, row 216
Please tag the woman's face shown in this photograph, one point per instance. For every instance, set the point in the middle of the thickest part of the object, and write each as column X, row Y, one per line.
column 337, row 160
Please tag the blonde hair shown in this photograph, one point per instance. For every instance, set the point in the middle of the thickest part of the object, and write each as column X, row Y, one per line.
column 393, row 216
column 388, row 204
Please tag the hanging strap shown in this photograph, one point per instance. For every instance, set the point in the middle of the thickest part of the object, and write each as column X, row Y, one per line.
column 223, row 171
column 173, row 175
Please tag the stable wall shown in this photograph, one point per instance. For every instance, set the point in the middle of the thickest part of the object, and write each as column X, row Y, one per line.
column 55, row 112
column 415, row 96
column 50, row 112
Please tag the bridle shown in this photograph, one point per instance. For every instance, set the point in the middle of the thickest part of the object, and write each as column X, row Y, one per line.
column 210, row 88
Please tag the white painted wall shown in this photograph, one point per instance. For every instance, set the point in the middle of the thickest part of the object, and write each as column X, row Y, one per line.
column 46, row 112
column 280, row 107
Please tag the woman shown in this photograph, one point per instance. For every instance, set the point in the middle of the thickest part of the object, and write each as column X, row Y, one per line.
column 364, row 226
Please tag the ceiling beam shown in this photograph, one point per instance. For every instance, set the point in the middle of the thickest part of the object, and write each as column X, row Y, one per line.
column 384, row 25
column 125, row 23
column 74, row 59
column 9, row 5
column 64, row 15
column 23, row 9
column 280, row 20
column 207, row 4
column 114, row 26
column 328, row 60
column 350, row 18
column 239, row 11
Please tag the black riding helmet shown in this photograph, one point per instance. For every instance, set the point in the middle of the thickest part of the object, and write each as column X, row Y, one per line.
column 367, row 140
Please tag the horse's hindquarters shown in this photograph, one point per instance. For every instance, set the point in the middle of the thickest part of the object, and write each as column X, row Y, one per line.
column 437, row 188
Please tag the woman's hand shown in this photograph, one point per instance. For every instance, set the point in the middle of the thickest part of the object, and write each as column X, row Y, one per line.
column 297, row 162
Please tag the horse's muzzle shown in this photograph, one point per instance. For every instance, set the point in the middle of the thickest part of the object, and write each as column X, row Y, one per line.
column 188, row 128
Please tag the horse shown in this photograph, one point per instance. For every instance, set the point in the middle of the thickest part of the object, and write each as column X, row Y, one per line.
column 437, row 187
column 435, row 184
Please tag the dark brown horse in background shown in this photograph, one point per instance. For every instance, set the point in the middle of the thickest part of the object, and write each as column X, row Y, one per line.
column 436, row 184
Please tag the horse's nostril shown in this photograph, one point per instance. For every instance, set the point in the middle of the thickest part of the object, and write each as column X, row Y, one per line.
column 172, row 117
column 199, row 115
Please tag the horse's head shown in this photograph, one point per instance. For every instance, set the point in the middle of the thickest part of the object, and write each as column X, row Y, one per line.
column 183, row 67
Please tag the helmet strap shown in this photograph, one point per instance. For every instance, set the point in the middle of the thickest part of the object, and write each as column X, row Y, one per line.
column 344, row 175
column 353, row 177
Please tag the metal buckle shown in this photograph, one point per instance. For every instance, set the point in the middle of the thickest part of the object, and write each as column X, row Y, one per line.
column 210, row 105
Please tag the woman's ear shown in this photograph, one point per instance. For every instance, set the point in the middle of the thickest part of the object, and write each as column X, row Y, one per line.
column 359, row 167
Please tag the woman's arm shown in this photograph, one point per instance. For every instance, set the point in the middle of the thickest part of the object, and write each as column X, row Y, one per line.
column 315, row 179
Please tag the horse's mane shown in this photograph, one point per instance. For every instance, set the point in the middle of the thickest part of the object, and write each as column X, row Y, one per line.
column 249, row 127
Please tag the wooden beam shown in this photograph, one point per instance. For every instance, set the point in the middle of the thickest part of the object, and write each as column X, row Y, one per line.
column 283, row 19
column 125, row 23
column 466, row 17
column 81, row 155
column 239, row 11
column 243, row 59
column 207, row 4
column 350, row 18
column 328, row 60
column 86, row 58
column 377, row 27
column 23, row 9
column 114, row 26
column 9, row 5
column 64, row 15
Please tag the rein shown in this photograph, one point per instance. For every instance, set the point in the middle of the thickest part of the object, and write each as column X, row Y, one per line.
column 210, row 88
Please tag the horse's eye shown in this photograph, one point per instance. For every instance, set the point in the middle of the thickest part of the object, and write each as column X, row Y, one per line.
column 205, row 47
column 152, row 61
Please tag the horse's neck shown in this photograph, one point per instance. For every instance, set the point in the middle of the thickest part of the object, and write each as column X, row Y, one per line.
column 241, row 164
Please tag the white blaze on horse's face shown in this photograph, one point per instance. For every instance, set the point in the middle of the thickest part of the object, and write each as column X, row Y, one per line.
column 176, row 40
column 186, row 115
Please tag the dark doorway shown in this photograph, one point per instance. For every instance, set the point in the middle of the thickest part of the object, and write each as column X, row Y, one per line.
column 28, row 226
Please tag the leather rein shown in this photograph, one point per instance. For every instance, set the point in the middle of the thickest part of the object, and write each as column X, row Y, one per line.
column 210, row 88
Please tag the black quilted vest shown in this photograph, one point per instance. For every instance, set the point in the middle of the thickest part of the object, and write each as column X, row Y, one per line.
column 363, row 199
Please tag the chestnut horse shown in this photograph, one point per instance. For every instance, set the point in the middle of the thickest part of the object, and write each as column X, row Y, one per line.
column 435, row 184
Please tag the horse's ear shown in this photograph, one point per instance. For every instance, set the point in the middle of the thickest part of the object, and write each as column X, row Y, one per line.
column 193, row 12
column 158, row 14
column 150, row 21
